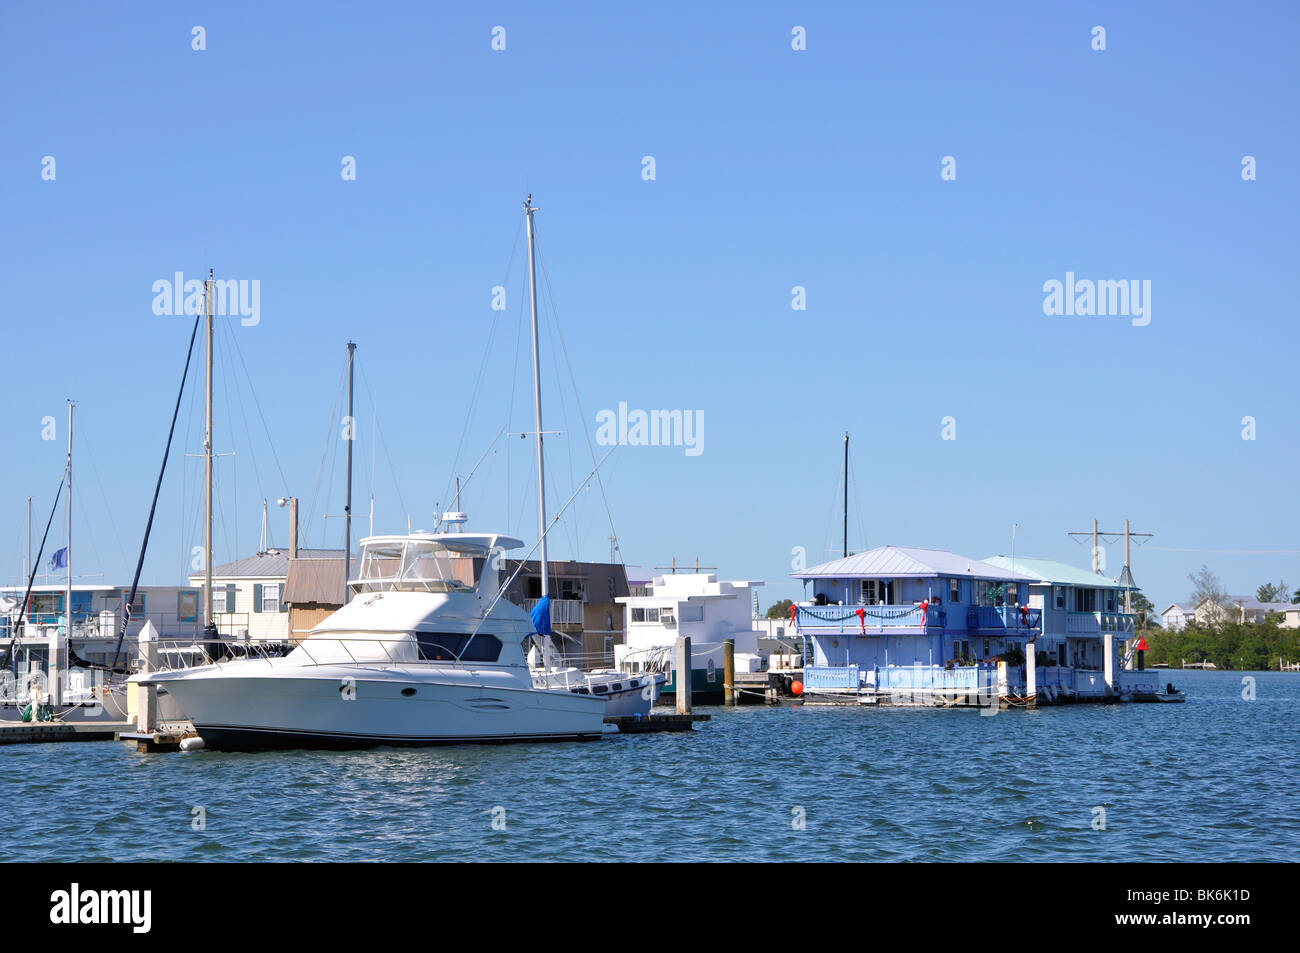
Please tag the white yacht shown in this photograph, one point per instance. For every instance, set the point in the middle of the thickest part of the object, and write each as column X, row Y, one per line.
column 419, row 656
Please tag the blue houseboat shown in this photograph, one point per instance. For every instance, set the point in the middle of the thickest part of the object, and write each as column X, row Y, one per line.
column 1087, row 650
column 906, row 626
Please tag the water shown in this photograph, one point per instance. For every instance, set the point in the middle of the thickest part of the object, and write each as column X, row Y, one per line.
column 1210, row 780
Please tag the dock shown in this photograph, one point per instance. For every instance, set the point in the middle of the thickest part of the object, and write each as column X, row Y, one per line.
column 647, row 724
column 44, row 732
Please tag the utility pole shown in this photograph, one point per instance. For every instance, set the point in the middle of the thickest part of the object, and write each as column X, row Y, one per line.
column 1126, row 575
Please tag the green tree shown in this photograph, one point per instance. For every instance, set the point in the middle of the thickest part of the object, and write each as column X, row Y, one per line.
column 781, row 610
column 1144, row 612
column 1272, row 593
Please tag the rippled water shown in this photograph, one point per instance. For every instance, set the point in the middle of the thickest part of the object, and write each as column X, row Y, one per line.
column 1211, row 780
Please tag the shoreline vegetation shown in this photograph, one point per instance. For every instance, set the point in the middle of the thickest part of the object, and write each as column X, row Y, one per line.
column 1244, row 646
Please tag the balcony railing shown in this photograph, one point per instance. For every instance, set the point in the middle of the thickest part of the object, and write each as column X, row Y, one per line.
column 563, row 611
column 1008, row 618
column 874, row 618
column 1096, row 623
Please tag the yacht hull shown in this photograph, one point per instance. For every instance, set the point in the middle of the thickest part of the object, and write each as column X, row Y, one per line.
column 239, row 712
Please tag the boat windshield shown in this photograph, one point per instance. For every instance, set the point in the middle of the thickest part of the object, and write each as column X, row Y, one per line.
column 411, row 565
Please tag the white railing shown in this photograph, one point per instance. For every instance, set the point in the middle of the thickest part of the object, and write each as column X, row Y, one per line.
column 1095, row 623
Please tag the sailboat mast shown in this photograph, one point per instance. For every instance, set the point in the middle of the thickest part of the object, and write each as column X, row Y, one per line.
column 207, row 462
column 537, row 397
column 347, row 507
column 846, row 494
column 67, row 608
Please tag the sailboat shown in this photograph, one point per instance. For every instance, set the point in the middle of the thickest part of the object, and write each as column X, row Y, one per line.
column 44, row 679
column 419, row 655
column 623, row 694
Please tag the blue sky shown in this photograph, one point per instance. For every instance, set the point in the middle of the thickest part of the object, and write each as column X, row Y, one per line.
column 774, row 168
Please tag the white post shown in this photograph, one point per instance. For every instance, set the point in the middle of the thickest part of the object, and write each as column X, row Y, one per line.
column 53, row 681
column 1031, row 673
column 1108, row 647
column 148, row 698
column 683, row 675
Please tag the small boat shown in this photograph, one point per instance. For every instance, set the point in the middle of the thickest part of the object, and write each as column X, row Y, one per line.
column 1170, row 695
column 624, row 694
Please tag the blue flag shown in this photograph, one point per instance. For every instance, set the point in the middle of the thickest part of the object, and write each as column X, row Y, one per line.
column 59, row 560
column 541, row 616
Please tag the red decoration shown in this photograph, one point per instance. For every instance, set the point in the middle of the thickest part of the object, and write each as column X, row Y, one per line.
column 796, row 688
column 862, row 619
column 1024, row 615
column 794, row 609
column 1142, row 644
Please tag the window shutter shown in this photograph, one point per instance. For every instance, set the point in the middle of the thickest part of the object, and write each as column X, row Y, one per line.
column 257, row 597
column 284, row 606
column 230, row 597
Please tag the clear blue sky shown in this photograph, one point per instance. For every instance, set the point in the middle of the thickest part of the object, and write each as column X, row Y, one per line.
column 775, row 168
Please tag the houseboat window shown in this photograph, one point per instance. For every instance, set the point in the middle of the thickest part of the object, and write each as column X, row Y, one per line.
column 877, row 592
column 691, row 613
column 982, row 592
column 645, row 615
column 1085, row 600
column 449, row 646
column 1110, row 602
column 954, row 590
column 1058, row 596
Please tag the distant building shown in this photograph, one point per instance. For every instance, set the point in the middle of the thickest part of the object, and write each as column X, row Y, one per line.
column 248, row 599
column 97, row 615
column 708, row 611
column 1177, row 615
column 1236, row 609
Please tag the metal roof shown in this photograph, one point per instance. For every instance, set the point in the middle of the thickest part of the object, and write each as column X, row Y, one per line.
column 1253, row 604
column 639, row 576
column 1059, row 574
column 315, row 580
column 899, row 562
column 271, row 565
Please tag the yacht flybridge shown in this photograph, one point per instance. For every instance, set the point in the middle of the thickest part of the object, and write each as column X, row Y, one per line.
column 422, row 654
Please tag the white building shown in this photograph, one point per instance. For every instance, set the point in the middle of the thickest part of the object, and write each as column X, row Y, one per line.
column 248, row 594
column 699, row 606
column 1177, row 615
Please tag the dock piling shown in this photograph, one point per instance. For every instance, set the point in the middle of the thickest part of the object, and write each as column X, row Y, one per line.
column 683, row 675
column 729, row 672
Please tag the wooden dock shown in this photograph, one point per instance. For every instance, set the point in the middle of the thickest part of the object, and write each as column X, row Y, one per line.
column 44, row 732
column 646, row 724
